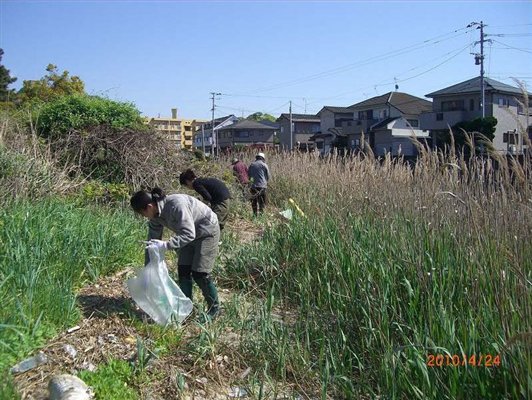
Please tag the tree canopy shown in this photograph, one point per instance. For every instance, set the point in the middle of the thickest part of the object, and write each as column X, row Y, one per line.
column 258, row 116
column 53, row 85
column 5, row 80
column 478, row 127
column 79, row 112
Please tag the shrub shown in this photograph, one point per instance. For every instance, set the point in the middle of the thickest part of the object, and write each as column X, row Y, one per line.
column 79, row 112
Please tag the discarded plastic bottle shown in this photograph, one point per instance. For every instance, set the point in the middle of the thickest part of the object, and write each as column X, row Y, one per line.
column 29, row 363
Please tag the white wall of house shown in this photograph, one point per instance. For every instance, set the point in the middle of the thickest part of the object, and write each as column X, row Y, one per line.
column 451, row 109
column 326, row 120
column 509, row 117
column 397, row 138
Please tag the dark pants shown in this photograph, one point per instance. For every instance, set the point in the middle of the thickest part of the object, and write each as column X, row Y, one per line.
column 222, row 212
column 205, row 283
column 258, row 199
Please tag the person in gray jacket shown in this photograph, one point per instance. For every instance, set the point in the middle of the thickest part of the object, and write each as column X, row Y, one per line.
column 197, row 234
column 259, row 175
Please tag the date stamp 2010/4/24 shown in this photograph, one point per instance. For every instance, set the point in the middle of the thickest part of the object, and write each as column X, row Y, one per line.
column 462, row 360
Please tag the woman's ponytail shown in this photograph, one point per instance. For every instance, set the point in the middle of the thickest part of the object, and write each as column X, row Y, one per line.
column 157, row 194
column 141, row 199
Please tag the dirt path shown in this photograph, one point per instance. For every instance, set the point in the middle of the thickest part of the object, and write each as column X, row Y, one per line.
column 109, row 328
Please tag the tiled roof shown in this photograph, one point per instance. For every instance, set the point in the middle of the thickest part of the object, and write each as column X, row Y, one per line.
column 383, row 123
column 473, row 86
column 300, row 117
column 404, row 102
column 248, row 124
column 338, row 110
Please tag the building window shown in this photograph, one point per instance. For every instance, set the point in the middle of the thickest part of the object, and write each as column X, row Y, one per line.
column 439, row 116
column 452, row 105
column 414, row 123
column 510, row 137
column 471, row 104
column 504, row 102
column 368, row 114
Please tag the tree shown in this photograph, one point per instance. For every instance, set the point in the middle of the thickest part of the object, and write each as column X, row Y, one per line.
column 478, row 127
column 258, row 116
column 80, row 112
column 51, row 86
column 5, row 80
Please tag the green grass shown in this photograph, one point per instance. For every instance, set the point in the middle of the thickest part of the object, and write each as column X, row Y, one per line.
column 374, row 299
column 49, row 249
column 112, row 381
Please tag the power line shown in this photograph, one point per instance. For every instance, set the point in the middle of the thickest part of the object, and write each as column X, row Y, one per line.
column 382, row 57
column 508, row 26
column 512, row 47
column 454, row 53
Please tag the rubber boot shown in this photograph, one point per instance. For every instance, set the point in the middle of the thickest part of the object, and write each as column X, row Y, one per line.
column 211, row 296
column 186, row 287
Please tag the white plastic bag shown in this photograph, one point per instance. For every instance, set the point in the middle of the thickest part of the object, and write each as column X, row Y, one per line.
column 156, row 293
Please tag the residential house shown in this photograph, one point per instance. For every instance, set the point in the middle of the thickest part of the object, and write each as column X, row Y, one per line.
column 462, row 102
column 248, row 133
column 178, row 130
column 388, row 124
column 204, row 139
column 304, row 126
column 331, row 133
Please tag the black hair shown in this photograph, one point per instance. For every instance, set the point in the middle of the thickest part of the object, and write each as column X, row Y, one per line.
column 186, row 176
column 140, row 200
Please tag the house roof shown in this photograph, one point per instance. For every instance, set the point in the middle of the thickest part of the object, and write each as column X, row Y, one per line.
column 404, row 102
column 330, row 132
column 336, row 110
column 473, row 86
column 249, row 124
column 300, row 117
column 383, row 123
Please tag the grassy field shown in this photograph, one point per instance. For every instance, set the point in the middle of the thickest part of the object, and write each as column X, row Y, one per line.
column 48, row 249
column 390, row 266
column 393, row 264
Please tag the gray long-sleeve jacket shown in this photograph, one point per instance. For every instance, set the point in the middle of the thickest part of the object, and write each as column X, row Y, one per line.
column 185, row 215
column 260, row 173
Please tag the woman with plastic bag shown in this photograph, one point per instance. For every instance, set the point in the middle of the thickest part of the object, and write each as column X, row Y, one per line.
column 197, row 234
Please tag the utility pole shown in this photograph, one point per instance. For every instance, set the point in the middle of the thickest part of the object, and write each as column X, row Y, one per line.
column 291, row 133
column 214, row 136
column 479, row 60
column 203, row 137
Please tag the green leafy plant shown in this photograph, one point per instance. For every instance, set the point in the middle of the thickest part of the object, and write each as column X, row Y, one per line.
column 113, row 380
column 79, row 112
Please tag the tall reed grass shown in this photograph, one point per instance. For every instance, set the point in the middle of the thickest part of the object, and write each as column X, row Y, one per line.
column 392, row 263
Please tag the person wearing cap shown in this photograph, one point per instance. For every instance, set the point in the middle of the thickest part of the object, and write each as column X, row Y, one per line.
column 259, row 175
column 212, row 190
column 240, row 171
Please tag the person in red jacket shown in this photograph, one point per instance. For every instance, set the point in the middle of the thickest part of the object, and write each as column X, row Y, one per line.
column 240, row 170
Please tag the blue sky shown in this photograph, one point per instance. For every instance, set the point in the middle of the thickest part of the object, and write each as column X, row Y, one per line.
column 260, row 55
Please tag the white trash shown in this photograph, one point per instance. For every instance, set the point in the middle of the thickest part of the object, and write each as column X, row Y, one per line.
column 156, row 293
column 29, row 363
column 68, row 387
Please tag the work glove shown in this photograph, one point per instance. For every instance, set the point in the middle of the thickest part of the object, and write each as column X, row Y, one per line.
column 160, row 244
